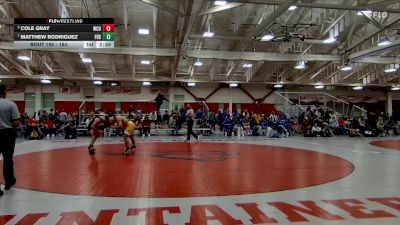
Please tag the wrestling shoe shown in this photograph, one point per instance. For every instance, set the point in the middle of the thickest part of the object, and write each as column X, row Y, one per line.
column 91, row 151
column 128, row 151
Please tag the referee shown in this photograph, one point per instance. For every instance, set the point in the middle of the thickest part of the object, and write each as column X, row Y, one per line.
column 9, row 120
column 190, row 122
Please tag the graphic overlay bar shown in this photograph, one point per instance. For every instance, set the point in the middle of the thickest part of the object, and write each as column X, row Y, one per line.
column 64, row 32
column 63, row 44
column 77, row 36
column 44, row 21
column 26, row 28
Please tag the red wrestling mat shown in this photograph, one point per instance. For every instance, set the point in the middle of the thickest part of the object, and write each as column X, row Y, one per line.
column 165, row 169
column 390, row 144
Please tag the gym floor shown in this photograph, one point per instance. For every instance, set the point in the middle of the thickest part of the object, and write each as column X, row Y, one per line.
column 216, row 180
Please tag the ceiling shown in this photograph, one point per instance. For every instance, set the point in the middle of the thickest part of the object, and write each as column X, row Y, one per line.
column 176, row 41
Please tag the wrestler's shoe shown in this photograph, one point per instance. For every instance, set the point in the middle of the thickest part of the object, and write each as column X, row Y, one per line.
column 91, row 150
column 129, row 150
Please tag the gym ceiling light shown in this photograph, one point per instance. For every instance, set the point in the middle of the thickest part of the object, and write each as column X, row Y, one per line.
column 219, row 3
column 233, row 85
column 331, row 39
column 300, row 65
column 247, row 65
column 346, row 67
column 45, row 81
column 24, row 58
column 145, row 62
column 267, row 37
column 144, row 31
column 198, row 63
column 208, row 34
column 391, row 68
column 384, row 41
column 85, row 58
column 319, row 86
column 397, row 88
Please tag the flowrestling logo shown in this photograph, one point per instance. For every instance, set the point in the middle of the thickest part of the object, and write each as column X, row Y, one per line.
column 375, row 15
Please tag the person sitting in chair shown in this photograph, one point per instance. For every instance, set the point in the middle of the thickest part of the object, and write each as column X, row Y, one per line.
column 32, row 131
column 354, row 128
column 174, row 124
column 70, row 130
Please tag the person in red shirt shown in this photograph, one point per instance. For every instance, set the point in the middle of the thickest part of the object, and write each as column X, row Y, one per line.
column 51, row 127
column 342, row 125
column 146, row 126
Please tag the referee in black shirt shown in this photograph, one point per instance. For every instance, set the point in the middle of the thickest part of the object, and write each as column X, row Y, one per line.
column 9, row 121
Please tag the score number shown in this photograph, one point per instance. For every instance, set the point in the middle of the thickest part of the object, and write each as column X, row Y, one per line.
column 108, row 32
column 108, row 27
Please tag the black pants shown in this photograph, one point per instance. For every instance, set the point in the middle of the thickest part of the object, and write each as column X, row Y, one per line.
column 158, row 106
column 7, row 140
column 190, row 129
column 70, row 132
column 146, row 130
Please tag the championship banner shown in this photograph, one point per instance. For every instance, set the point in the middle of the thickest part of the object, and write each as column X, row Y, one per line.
column 131, row 90
column 155, row 91
column 111, row 90
column 307, row 99
column 15, row 89
column 70, row 89
column 74, row 90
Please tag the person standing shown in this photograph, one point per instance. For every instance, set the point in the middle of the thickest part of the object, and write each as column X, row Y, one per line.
column 9, row 121
column 190, row 122
column 159, row 100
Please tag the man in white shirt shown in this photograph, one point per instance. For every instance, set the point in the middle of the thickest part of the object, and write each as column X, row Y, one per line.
column 9, row 120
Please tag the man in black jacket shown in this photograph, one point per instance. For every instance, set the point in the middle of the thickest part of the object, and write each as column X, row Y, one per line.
column 159, row 100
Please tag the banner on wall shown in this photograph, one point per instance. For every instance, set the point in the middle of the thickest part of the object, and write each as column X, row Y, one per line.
column 155, row 91
column 111, row 90
column 131, row 90
column 70, row 89
column 15, row 89
column 307, row 99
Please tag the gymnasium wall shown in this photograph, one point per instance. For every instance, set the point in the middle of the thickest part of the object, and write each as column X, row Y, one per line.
column 71, row 102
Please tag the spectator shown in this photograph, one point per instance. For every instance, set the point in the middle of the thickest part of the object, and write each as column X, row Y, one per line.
column 354, row 128
column 390, row 125
column 63, row 117
column 212, row 119
column 174, row 124
column 166, row 117
column 146, row 126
